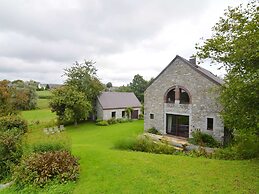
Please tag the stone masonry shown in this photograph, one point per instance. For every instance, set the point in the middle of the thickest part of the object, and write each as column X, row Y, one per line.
column 203, row 103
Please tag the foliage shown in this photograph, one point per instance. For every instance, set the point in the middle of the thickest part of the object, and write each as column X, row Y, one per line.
column 106, row 170
column 141, row 116
column 69, row 104
column 10, row 122
column 138, row 86
column 109, row 85
column 40, row 168
column 128, row 112
column 102, row 123
column 10, row 151
column 25, row 94
column 145, row 144
column 112, row 121
column 153, row 130
column 17, row 95
column 82, row 76
column 246, row 147
column 50, row 146
column 234, row 44
column 5, row 98
column 203, row 139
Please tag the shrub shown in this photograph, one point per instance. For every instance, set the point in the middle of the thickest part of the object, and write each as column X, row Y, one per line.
column 49, row 146
column 245, row 147
column 10, row 122
column 153, row 130
column 40, row 168
column 102, row 123
column 140, row 116
column 124, row 120
column 112, row 121
column 145, row 144
column 10, row 151
column 203, row 139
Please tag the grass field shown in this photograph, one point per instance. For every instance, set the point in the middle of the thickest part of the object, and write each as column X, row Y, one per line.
column 42, row 115
column 44, row 94
column 107, row 170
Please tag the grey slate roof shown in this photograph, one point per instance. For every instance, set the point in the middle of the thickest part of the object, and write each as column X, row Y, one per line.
column 113, row 100
column 197, row 68
column 203, row 71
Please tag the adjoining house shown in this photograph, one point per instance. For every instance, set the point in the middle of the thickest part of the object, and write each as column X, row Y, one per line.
column 113, row 105
column 182, row 98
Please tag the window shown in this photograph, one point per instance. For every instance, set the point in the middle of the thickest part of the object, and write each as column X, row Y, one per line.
column 114, row 114
column 179, row 94
column 151, row 116
column 210, row 124
column 171, row 96
column 123, row 114
column 184, row 97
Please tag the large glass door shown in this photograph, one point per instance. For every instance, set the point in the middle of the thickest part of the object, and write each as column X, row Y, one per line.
column 177, row 125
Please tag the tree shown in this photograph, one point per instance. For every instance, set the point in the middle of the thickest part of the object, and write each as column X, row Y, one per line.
column 69, row 104
column 24, row 93
column 5, row 98
column 138, row 86
column 47, row 87
column 82, row 76
column 109, row 85
column 235, row 44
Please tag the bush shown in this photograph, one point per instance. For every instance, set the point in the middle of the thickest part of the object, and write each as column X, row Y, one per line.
column 112, row 121
column 140, row 116
column 124, row 120
column 245, row 147
column 10, row 122
column 145, row 144
column 102, row 123
column 40, row 168
column 10, row 151
column 49, row 146
column 153, row 130
column 203, row 139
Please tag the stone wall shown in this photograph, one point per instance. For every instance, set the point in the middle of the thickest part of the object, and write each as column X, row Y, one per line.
column 203, row 100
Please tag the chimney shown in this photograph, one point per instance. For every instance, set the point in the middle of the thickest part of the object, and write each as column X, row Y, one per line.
column 193, row 60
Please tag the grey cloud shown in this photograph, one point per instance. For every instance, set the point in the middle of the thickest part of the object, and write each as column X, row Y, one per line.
column 43, row 37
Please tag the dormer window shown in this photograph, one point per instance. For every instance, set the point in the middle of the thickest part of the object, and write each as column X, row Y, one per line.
column 179, row 94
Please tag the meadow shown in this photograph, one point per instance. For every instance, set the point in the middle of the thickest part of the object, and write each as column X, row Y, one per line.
column 103, row 169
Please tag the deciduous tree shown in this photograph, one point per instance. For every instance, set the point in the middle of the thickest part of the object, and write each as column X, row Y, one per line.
column 235, row 44
column 70, row 104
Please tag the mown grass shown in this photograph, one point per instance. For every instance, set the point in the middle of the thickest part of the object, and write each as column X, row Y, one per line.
column 42, row 115
column 42, row 103
column 44, row 94
column 105, row 169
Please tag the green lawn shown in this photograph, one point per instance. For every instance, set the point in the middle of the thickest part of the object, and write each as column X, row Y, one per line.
column 42, row 103
column 42, row 115
column 44, row 94
column 107, row 170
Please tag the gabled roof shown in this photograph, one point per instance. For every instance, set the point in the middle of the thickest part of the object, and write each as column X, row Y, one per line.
column 204, row 72
column 114, row 100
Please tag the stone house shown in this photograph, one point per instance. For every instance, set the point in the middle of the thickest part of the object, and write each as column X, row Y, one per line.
column 113, row 104
column 182, row 98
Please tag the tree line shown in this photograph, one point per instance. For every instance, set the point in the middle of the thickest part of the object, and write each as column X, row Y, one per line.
column 17, row 95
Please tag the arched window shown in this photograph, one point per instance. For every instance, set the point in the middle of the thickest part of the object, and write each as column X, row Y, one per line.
column 171, row 96
column 179, row 94
column 184, row 97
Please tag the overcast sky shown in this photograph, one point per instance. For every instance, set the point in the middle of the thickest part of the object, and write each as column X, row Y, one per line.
column 38, row 39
